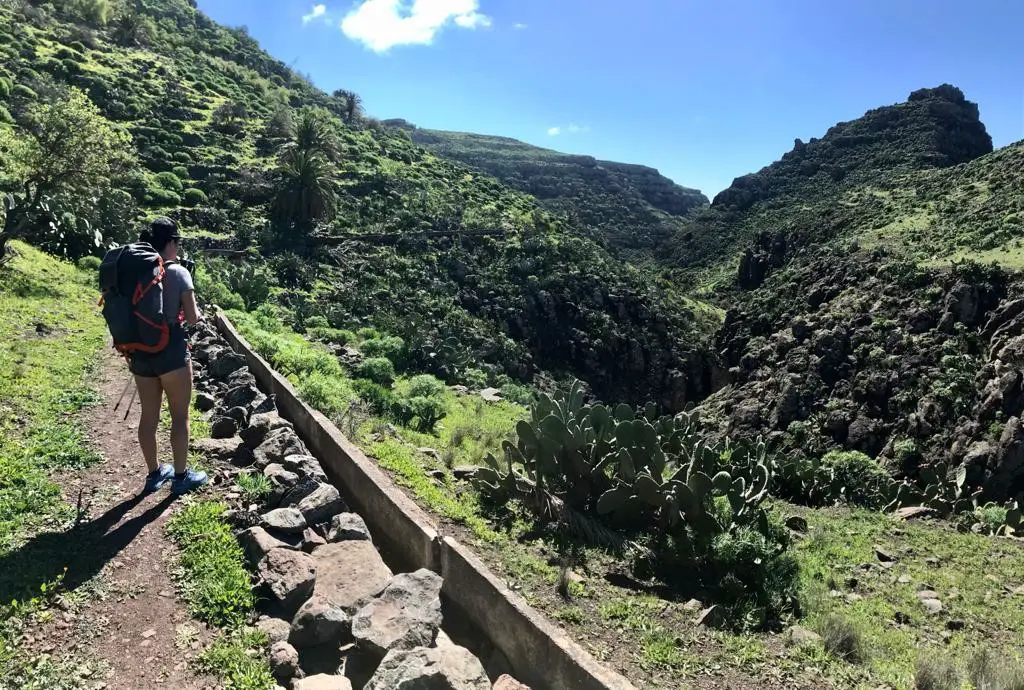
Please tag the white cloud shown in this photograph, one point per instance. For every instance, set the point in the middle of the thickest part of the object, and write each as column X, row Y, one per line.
column 519, row 25
column 318, row 11
column 568, row 129
column 383, row 24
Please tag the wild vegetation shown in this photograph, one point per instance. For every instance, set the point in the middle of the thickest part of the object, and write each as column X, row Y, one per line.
column 834, row 326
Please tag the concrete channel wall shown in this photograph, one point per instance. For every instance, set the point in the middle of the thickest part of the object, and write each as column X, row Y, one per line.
column 540, row 654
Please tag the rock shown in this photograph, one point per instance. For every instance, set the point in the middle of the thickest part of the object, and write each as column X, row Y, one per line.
column 932, row 606
column 1009, row 464
column 240, row 396
column 347, row 526
column 955, row 624
column 432, row 452
column 284, row 661
column 287, row 520
column 464, row 471
column 281, row 482
column 279, row 444
column 447, row 668
column 927, row 594
column 491, row 394
column 302, row 488
column 289, row 575
column 257, row 543
column 204, row 402
column 693, row 605
column 318, row 622
column 311, row 540
column 226, row 363
column 797, row 523
column 883, row 555
column 799, row 636
column 322, row 504
column 912, row 512
column 305, row 466
column 260, row 425
column 223, row 449
column 240, row 415
column 507, row 682
column 407, row 614
column 710, row 617
column 901, row 618
column 223, row 427
column 323, row 681
column 277, row 629
column 349, row 573
column 265, row 404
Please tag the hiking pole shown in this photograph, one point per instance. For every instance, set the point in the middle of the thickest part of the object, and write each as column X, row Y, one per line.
column 123, row 392
column 130, row 401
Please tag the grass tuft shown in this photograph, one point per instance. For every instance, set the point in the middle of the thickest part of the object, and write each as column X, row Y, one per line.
column 934, row 673
column 238, row 658
column 212, row 566
column 842, row 639
column 253, row 485
column 988, row 670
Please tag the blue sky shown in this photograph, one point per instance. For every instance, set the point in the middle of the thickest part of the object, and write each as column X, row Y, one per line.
column 704, row 91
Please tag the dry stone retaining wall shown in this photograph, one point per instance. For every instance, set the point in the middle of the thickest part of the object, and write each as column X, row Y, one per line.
column 509, row 632
column 336, row 616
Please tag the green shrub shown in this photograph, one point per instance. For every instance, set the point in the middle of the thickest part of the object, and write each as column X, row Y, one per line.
column 162, row 197
column 474, row 378
column 390, row 346
column 517, row 393
column 5, row 87
column 380, row 399
column 426, row 411
column 862, row 477
column 169, row 180
column 194, row 197
column 425, row 386
column 5, row 117
column 367, row 333
column 180, row 171
column 89, row 263
column 337, row 336
column 327, row 393
column 182, row 157
column 378, row 369
column 79, row 46
column 23, row 92
column 70, row 67
column 316, row 321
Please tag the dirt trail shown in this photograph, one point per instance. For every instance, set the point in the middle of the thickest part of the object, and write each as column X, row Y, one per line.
column 132, row 620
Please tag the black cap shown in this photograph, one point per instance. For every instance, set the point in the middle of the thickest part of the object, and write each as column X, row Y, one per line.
column 165, row 227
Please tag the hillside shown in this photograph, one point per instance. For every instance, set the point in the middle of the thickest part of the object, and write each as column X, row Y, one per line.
column 211, row 118
column 822, row 187
column 632, row 207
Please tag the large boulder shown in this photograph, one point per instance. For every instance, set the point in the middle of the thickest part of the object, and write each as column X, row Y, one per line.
column 437, row 668
column 284, row 661
column 257, row 543
column 241, row 395
column 407, row 614
column 349, row 573
column 281, row 482
column 286, row 520
column 276, row 629
column 223, row 427
column 318, row 622
column 221, row 449
column 278, row 445
column 321, row 504
column 289, row 575
column 260, row 426
column 305, row 465
column 226, row 363
column 347, row 526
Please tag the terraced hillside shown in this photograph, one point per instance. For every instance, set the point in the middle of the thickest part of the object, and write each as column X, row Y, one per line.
column 211, row 117
column 632, row 207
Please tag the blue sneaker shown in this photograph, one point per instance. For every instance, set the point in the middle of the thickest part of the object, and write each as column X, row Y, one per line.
column 158, row 477
column 184, row 483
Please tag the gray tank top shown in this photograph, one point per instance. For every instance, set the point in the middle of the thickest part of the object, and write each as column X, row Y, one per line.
column 177, row 281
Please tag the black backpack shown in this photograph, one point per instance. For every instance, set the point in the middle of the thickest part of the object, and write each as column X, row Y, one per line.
column 131, row 280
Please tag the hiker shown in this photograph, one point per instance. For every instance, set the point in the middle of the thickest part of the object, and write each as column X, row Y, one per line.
column 170, row 370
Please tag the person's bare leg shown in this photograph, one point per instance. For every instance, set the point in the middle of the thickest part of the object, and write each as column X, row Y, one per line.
column 150, row 396
column 178, row 385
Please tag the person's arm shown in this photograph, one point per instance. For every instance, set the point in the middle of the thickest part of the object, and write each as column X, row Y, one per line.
column 191, row 309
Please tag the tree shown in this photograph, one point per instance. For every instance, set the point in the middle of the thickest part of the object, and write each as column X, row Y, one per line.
column 314, row 133
column 306, row 193
column 351, row 110
column 93, row 11
column 61, row 163
column 230, row 118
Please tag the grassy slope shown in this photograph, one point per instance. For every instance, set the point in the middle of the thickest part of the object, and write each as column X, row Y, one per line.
column 44, row 380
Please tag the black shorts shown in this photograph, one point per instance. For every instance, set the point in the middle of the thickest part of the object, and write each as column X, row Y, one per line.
column 173, row 357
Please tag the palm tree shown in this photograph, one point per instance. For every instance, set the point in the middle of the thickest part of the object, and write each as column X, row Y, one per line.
column 306, row 193
column 314, row 133
column 352, row 106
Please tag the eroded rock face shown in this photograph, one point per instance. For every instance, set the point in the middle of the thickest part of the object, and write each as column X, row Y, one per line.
column 349, row 573
column 437, row 668
column 289, row 575
column 407, row 614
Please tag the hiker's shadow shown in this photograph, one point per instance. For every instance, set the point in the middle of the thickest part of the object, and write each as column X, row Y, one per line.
column 82, row 550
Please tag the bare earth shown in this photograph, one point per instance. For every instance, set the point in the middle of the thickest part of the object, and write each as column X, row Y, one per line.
column 130, row 619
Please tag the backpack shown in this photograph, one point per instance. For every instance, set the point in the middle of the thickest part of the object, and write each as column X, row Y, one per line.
column 131, row 280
